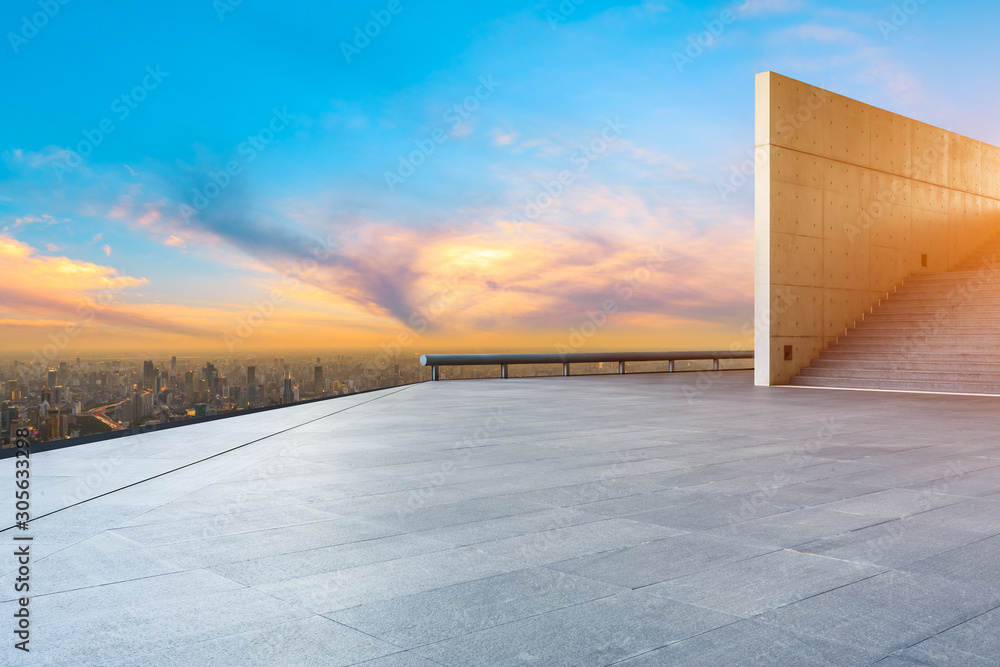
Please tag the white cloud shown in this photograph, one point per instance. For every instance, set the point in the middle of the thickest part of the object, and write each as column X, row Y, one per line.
column 763, row 7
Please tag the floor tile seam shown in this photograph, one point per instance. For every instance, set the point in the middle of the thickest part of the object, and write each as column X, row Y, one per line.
column 587, row 523
column 335, row 572
column 760, row 617
column 971, row 618
column 745, row 560
column 886, row 520
column 894, row 488
column 596, row 519
column 238, row 586
column 68, row 545
column 208, row 517
column 446, row 547
column 679, row 641
column 505, row 623
column 333, row 517
column 934, row 509
column 267, row 626
column 368, row 661
column 943, row 553
column 541, row 460
column 381, row 519
column 213, row 456
column 692, row 572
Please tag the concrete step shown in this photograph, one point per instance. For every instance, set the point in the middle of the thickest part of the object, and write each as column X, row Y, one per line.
column 985, row 290
column 934, row 332
column 847, row 365
column 925, row 309
column 920, row 346
column 903, row 326
column 967, row 275
column 906, row 385
column 901, row 375
column 931, row 337
column 966, row 319
column 923, row 357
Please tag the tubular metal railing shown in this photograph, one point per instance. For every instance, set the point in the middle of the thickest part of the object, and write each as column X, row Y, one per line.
column 435, row 361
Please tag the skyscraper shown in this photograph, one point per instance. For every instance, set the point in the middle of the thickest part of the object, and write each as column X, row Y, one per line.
column 318, row 381
column 173, row 365
column 287, row 393
column 251, row 376
column 148, row 375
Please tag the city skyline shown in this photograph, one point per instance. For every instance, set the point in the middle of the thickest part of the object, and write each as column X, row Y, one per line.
column 502, row 178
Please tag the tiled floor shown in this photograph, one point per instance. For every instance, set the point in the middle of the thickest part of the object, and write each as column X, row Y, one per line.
column 683, row 519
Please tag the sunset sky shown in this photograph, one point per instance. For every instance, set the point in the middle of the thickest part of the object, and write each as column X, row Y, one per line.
column 233, row 176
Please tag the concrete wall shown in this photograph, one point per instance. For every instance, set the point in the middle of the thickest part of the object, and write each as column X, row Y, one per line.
column 850, row 201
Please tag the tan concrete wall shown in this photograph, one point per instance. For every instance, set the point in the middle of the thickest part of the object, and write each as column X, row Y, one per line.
column 849, row 198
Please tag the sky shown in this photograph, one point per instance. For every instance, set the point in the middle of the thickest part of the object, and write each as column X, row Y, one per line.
column 244, row 176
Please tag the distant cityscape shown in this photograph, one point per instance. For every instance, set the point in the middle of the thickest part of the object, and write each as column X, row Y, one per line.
column 69, row 399
column 83, row 397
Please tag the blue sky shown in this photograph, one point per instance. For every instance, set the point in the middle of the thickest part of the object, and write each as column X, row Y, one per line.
column 592, row 90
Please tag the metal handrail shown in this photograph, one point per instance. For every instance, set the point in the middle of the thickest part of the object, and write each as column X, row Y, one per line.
column 504, row 360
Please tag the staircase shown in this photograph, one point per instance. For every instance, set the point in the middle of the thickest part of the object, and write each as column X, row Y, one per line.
column 936, row 332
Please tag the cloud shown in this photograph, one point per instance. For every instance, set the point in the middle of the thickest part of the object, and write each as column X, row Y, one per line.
column 44, row 292
column 765, row 7
column 502, row 139
column 819, row 33
column 107, row 250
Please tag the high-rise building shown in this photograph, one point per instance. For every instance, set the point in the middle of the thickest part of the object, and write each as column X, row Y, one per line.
column 52, row 381
column 251, row 376
column 189, row 385
column 173, row 365
column 287, row 392
column 148, row 375
column 319, row 383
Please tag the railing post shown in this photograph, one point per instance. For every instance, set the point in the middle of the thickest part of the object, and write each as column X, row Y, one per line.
column 621, row 368
column 715, row 364
column 434, row 374
column 670, row 366
column 503, row 370
column 566, row 369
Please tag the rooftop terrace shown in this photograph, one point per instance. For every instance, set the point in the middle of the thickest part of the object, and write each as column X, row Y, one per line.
column 688, row 519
